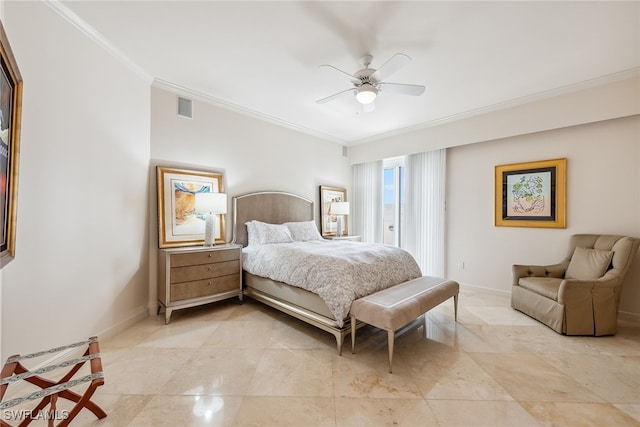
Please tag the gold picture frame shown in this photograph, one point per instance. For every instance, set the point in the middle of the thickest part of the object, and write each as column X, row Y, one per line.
column 10, row 122
column 531, row 194
column 178, row 223
column 329, row 222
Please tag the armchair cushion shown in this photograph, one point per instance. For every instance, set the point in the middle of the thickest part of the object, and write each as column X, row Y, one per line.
column 545, row 286
column 588, row 264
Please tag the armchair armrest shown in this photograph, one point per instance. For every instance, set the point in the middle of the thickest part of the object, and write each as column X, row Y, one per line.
column 590, row 305
column 554, row 270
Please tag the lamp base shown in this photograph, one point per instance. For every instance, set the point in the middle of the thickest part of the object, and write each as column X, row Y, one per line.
column 209, row 231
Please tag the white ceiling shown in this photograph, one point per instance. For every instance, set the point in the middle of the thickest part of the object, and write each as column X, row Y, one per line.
column 263, row 57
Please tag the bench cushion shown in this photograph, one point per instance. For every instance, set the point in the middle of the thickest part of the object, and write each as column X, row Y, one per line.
column 392, row 308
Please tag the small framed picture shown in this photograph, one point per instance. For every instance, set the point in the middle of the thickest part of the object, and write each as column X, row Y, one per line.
column 178, row 222
column 329, row 220
column 531, row 194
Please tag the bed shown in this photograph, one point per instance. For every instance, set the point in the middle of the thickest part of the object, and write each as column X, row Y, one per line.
column 273, row 207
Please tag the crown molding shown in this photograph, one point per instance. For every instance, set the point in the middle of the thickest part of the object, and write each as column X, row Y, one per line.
column 66, row 13
column 551, row 93
column 203, row 97
column 62, row 10
column 93, row 34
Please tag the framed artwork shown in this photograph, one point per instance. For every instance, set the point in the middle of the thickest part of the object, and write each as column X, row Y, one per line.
column 178, row 222
column 531, row 194
column 329, row 221
column 10, row 120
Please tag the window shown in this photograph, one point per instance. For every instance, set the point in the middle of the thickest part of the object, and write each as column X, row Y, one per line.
column 393, row 216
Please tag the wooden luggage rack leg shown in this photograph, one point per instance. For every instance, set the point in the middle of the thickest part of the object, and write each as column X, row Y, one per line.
column 14, row 371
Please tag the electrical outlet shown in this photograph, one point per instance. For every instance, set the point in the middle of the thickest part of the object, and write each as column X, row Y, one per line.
column 460, row 265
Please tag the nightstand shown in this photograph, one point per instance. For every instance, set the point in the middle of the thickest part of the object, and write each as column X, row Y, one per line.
column 352, row 238
column 197, row 275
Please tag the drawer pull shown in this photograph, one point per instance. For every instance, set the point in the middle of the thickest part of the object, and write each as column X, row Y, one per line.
column 210, row 268
column 209, row 283
column 209, row 255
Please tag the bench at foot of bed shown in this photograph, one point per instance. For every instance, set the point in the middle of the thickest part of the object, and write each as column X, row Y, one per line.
column 395, row 307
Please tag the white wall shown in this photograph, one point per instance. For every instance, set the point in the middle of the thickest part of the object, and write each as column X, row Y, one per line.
column 81, row 256
column 603, row 196
column 254, row 155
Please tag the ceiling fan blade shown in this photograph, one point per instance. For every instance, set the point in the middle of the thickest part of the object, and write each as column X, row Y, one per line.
column 404, row 89
column 335, row 95
column 367, row 108
column 354, row 78
column 396, row 62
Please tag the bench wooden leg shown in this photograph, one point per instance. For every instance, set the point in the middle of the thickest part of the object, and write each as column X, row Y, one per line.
column 390, row 338
column 455, row 307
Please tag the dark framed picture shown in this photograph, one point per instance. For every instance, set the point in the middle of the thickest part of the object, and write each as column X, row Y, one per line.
column 330, row 220
column 531, row 194
column 179, row 224
column 10, row 120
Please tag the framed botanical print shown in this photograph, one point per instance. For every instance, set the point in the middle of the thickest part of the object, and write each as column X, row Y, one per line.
column 329, row 220
column 179, row 224
column 531, row 194
column 10, row 121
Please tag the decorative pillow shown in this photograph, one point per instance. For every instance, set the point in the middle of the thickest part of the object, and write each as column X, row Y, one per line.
column 252, row 234
column 303, row 231
column 272, row 233
column 588, row 264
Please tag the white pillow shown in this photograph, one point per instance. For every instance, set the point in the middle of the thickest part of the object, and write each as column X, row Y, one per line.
column 272, row 233
column 252, row 234
column 303, row 231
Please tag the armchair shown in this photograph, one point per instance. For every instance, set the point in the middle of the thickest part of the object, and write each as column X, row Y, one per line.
column 580, row 295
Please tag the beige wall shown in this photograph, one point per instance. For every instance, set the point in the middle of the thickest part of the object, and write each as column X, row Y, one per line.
column 254, row 155
column 597, row 128
column 81, row 257
column 603, row 196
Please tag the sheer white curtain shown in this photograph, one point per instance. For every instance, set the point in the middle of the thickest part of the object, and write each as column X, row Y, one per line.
column 367, row 201
column 425, row 175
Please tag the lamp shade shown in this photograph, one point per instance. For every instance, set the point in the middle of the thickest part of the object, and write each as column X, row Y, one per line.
column 214, row 203
column 340, row 208
column 366, row 94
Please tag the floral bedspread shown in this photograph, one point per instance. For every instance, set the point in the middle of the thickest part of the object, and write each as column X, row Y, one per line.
column 338, row 271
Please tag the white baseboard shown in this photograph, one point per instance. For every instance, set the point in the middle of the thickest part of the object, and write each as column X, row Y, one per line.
column 490, row 291
column 139, row 314
column 627, row 316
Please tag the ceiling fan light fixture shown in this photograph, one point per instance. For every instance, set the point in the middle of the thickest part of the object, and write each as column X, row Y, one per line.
column 366, row 94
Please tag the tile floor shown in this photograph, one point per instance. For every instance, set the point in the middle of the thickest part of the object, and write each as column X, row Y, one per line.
column 227, row 364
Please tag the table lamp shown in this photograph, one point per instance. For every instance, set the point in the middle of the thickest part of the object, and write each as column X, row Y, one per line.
column 339, row 209
column 212, row 205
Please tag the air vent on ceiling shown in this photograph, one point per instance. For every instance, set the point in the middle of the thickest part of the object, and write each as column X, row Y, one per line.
column 185, row 107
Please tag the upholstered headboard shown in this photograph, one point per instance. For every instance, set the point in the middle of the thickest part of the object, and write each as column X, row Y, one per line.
column 274, row 207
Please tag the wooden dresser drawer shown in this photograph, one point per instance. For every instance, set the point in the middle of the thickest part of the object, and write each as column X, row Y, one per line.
column 200, row 288
column 204, row 271
column 192, row 276
column 196, row 258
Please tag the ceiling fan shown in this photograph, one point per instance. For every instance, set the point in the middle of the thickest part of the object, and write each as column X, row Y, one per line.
column 368, row 82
